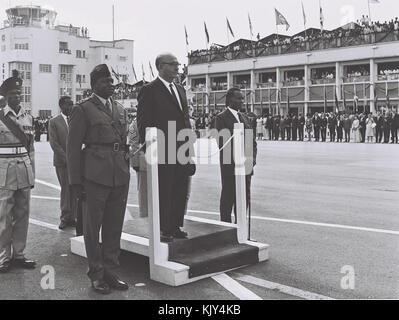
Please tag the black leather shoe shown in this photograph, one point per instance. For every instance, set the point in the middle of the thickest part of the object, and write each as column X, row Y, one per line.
column 100, row 286
column 166, row 237
column 63, row 225
column 5, row 267
column 24, row 263
column 179, row 234
column 116, row 283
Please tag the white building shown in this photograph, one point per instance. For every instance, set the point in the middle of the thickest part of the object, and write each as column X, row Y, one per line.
column 55, row 60
column 314, row 74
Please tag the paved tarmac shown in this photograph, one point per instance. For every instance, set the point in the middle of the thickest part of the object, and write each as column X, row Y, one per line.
column 320, row 206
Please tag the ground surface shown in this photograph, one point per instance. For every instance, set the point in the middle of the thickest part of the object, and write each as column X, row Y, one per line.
column 320, row 207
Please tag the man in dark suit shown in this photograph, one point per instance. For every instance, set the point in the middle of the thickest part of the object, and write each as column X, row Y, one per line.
column 226, row 120
column 347, row 128
column 323, row 127
column 100, row 174
column 386, row 127
column 58, row 132
column 301, row 126
column 379, row 121
column 362, row 129
column 294, row 126
column 332, row 125
column 276, row 127
column 316, row 126
column 288, row 126
column 163, row 103
column 283, row 124
column 394, row 126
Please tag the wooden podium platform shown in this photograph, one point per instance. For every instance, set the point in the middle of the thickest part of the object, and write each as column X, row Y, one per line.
column 212, row 247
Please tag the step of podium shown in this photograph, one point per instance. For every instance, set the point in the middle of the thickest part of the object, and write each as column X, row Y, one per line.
column 212, row 248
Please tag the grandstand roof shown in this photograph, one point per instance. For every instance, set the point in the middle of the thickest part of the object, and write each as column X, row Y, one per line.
column 240, row 42
column 350, row 25
column 308, row 31
column 274, row 36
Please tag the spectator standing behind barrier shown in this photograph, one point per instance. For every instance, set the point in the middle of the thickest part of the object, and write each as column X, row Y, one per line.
column 379, row 121
column 301, row 126
column 394, row 126
column 309, row 125
column 386, row 126
column 347, row 128
column 316, row 126
column 370, row 128
column 340, row 128
column 356, row 130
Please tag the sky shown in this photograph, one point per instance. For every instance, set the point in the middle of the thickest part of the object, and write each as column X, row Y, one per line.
column 158, row 26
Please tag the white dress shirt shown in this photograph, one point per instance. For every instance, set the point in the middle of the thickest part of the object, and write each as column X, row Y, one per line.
column 235, row 114
column 167, row 85
column 66, row 119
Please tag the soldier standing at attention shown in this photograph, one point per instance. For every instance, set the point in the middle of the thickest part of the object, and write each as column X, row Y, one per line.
column 16, row 177
column 100, row 175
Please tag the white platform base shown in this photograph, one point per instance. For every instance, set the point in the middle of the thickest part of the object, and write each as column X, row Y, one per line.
column 167, row 272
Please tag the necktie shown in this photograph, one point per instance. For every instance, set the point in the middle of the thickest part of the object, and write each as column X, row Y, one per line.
column 174, row 95
column 108, row 106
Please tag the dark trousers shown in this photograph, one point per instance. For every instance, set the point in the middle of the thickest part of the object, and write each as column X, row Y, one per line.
column 68, row 212
column 276, row 133
column 270, row 133
column 300, row 133
column 339, row 134
column 317, row 133
column 347, row 135
column 173, row 188
column 386, row 135
column 282, row 132
column 363, row 134
column 293, row 134
column 332, row 134
column 228, row 197
column 288, row 130
column 323, row 132
column 378, row 134
column 394, row 135
column 104, row 208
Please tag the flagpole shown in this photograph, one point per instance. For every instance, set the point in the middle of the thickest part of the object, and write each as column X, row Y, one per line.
column 368, row 3
column 228, row 36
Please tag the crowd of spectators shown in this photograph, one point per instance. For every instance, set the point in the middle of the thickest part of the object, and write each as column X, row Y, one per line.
column 363, row 29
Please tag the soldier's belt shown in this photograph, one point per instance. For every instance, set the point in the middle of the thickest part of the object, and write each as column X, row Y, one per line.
column 14, row 151
column 116, row 147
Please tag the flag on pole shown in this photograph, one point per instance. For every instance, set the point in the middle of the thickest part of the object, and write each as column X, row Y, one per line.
column 229, row 27
column 281, row 20
column 325, row 99
column 375, row 99
column 336, row 102
column 152, row 72
column 388, row 102
column 321, row 17
column 355, row 103
column 143, row 73
column 206, row 33
column 134, row 74
column 288, row 103
column 115, row 74
column 185, row 32
column 304, row 16
column 250, row 26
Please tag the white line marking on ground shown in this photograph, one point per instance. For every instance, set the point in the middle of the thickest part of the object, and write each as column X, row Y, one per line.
column 46, row 198
column 43, row 224
column 54, row 186
column 281, row 288
column 235, row 288
column 310, row 223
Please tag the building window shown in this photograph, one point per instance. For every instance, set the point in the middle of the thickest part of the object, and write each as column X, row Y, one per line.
column 66, row 73
column 78, row 54
column 123, row 58
column 64, row 48
column 46, row 68
column 83, row 54
column 79, row 98
column 106, row 57
column 21, row 46
column 3, row 48
column 3, row 37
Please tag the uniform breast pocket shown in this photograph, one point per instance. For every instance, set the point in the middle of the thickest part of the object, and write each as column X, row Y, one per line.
column 103, row 132
column 3, row 173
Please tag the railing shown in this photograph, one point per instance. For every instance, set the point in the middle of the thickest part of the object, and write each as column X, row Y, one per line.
column 322, row 81
column 356, row 79
column 259, row 49
column 294, row 83
column 266, row 85
column 388, row 77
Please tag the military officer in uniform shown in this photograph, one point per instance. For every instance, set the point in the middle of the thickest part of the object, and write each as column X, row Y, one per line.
column 100, row 175
column 16, row 177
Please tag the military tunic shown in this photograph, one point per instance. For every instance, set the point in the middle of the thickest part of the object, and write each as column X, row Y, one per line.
column 17, row 177
column 102, row 167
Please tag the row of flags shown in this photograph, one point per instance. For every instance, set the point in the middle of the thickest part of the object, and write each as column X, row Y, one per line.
column 118, row 76
column 281, row 20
